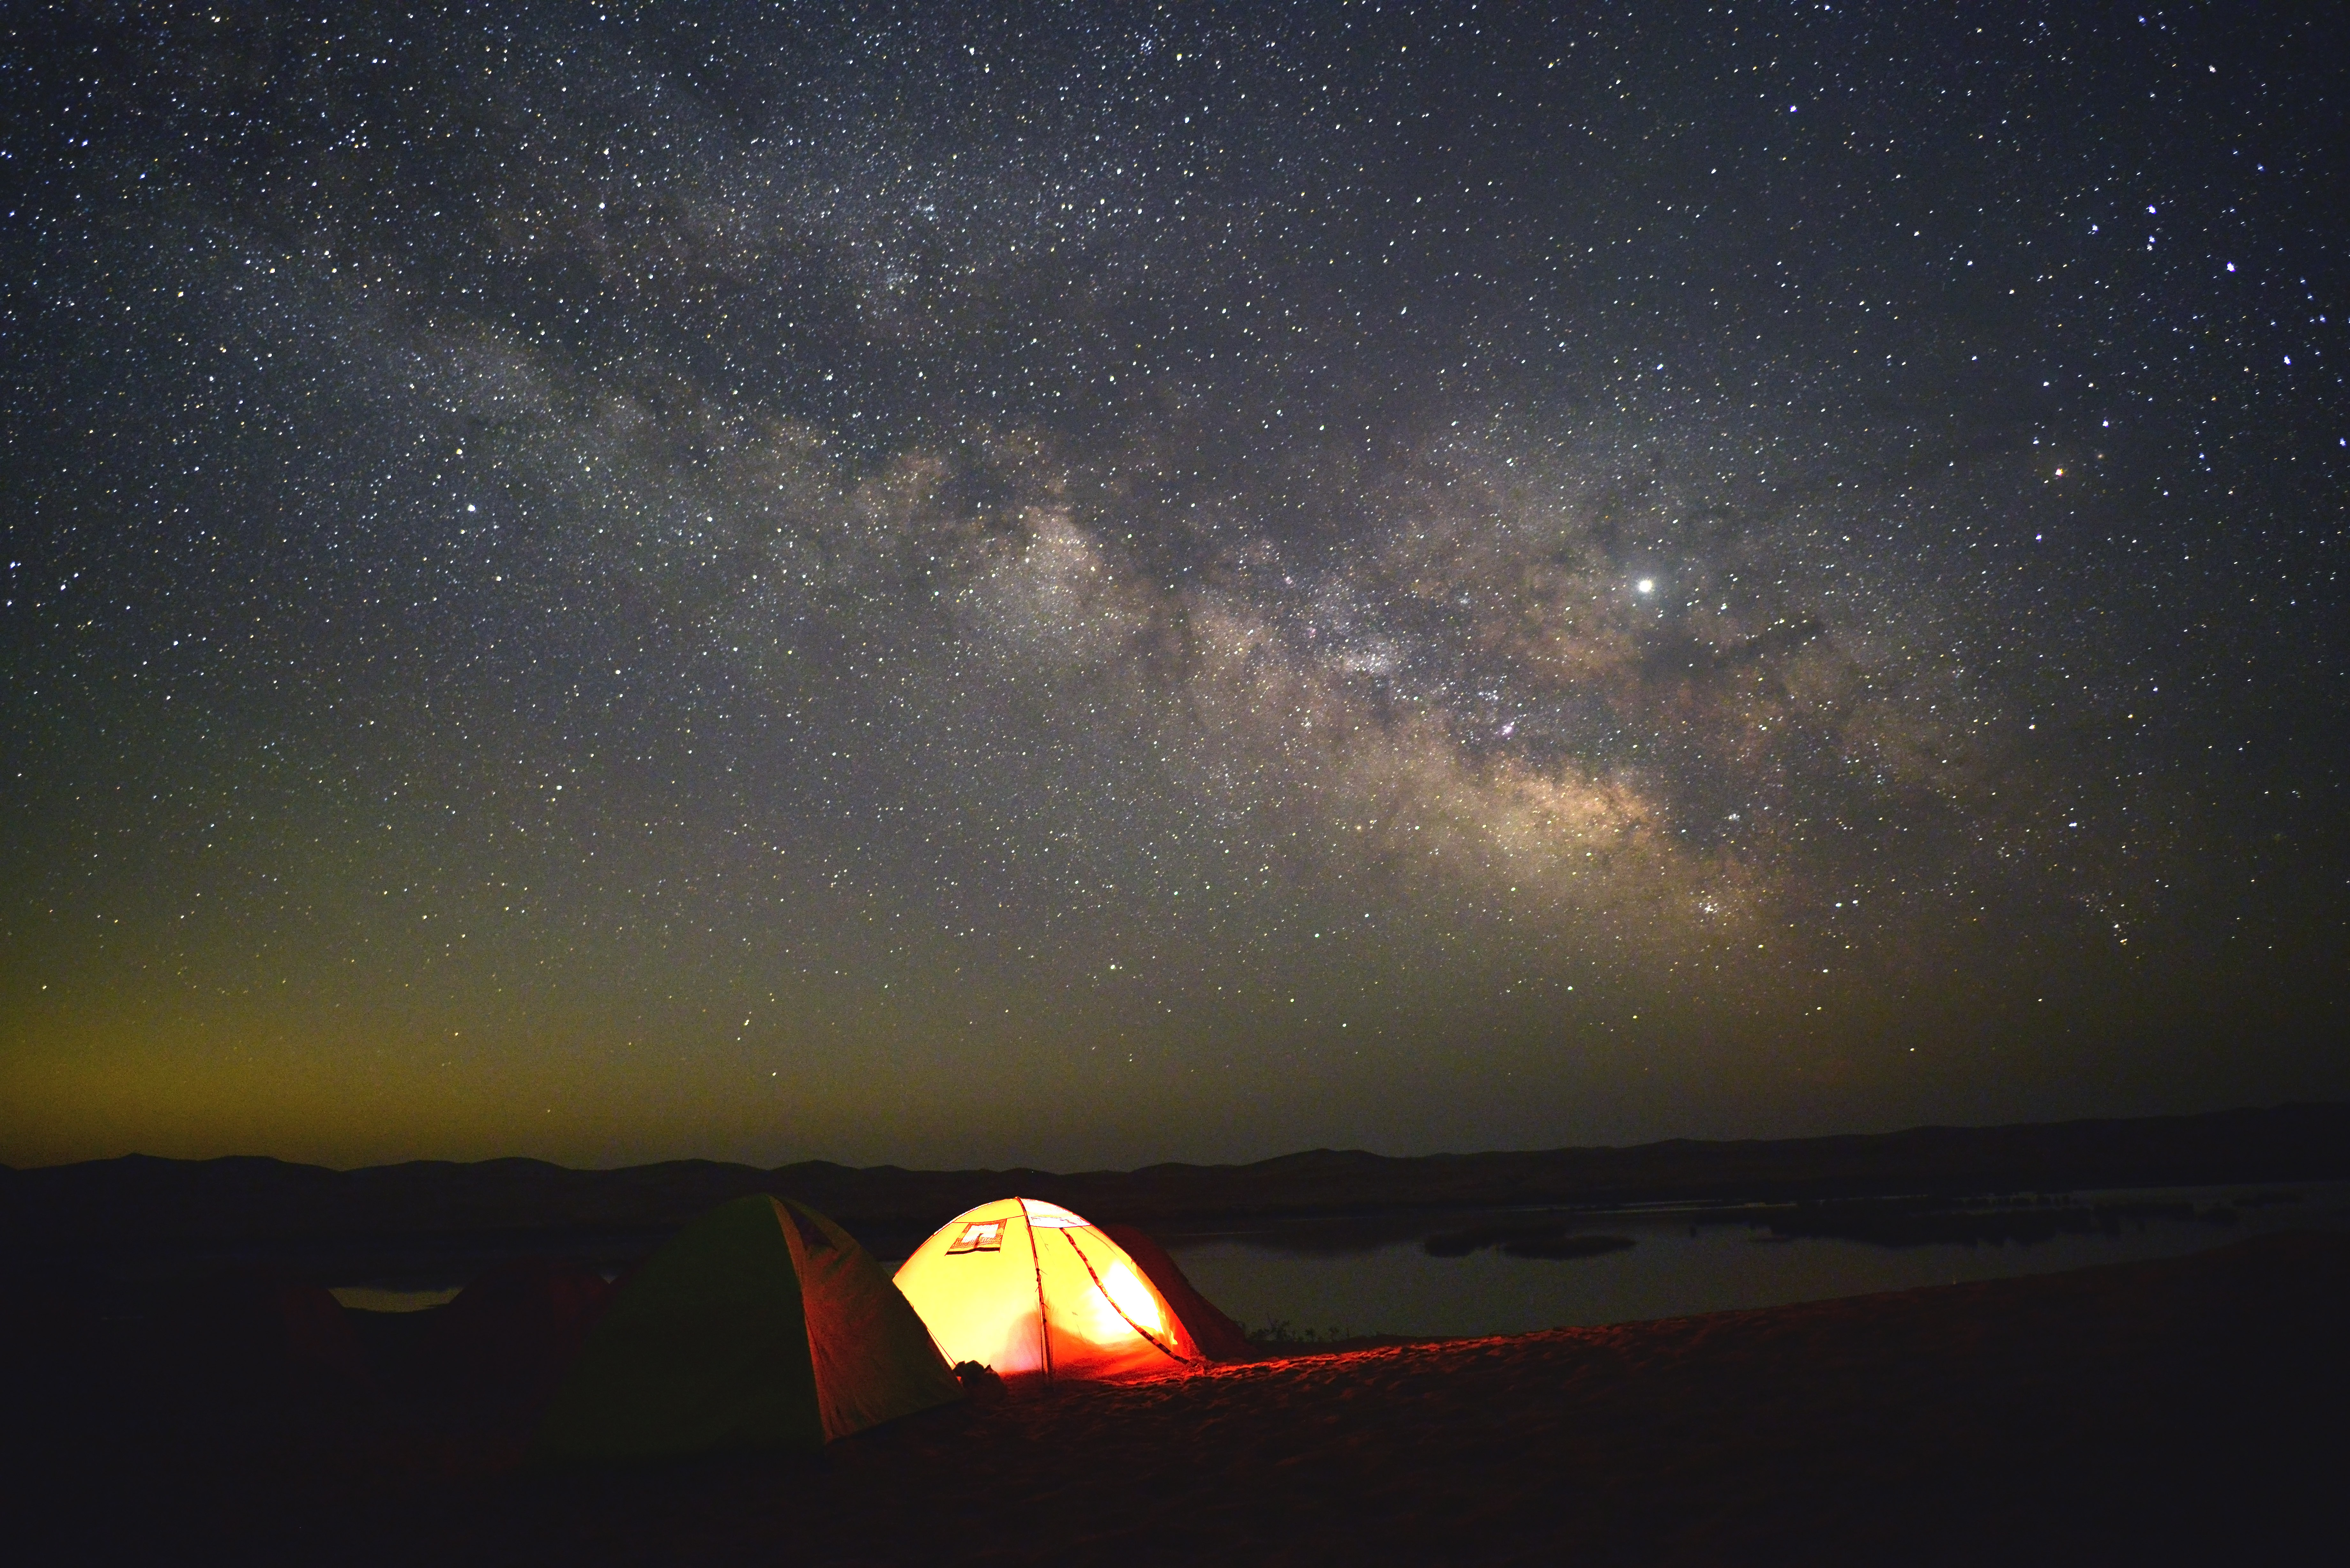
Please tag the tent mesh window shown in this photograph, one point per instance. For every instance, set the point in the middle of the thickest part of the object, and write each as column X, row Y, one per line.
column 979, row 1236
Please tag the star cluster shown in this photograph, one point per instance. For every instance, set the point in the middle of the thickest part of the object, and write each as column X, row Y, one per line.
column 1088, row 582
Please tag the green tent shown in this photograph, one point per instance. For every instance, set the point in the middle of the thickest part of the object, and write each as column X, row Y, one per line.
column 762, row 1324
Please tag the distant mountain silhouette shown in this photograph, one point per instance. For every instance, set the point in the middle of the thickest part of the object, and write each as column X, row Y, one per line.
column 141, row 1202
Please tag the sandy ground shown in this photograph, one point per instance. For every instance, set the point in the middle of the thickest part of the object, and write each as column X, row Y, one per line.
column 2188, row 1410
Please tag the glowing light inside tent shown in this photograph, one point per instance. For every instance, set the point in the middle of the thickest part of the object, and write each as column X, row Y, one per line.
column 1135, row 1300
column 1053, row 1296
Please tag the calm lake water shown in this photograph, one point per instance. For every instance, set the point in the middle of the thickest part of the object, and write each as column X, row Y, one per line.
column 1373, row 1274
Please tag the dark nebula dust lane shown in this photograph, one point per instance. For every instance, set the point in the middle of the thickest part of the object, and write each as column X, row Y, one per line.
column 1083, row 584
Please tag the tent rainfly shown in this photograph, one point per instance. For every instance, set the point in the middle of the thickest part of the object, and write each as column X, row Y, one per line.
column 1027, row 1288
column 762, row 1324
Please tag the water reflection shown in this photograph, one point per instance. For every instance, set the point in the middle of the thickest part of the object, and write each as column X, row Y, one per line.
column 1470, row 1272
column 393, row 1297
column 1379, row 1274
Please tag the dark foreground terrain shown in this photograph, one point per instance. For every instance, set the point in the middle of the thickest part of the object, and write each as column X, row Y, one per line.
column 2186, row 1411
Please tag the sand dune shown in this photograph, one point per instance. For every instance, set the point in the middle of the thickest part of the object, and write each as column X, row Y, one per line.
column 2183, row 1411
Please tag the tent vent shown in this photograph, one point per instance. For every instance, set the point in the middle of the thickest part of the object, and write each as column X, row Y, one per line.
column 979, row 1236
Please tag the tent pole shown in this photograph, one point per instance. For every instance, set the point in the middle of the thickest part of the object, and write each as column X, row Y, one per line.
column 1044, row 1328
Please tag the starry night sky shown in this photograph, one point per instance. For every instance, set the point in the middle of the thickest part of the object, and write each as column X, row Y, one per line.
column 1093, row 584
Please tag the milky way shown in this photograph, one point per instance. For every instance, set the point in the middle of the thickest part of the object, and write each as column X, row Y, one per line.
column 1095, row 584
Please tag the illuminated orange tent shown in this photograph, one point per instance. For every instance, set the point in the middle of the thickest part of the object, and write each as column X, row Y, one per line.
column 1027, row 1288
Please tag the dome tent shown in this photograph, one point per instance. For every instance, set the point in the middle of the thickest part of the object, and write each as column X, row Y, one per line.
column 1029, row 1289
column 762, row 1324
